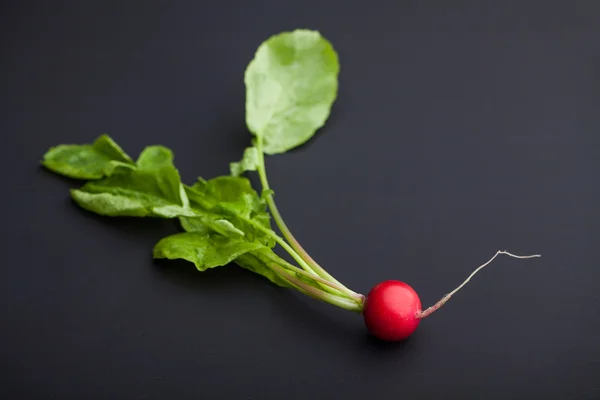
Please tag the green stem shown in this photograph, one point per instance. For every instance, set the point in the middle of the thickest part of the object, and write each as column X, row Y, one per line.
column 315, row 293
column 281, row 262
column 283, row 227
column 301, row 261
column 288, row 248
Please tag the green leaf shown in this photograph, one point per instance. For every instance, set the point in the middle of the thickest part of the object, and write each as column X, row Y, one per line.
column 135, row 193
column 204, row 250
column 249, row 162
column 87, row 161
column 291, row 85
column 232, row 193
column 210, row 250
column 229, row 225
column 232, row 199
column 153, row 157
column 249, row 261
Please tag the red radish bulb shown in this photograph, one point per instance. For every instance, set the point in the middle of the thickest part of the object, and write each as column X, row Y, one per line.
column 391, row 311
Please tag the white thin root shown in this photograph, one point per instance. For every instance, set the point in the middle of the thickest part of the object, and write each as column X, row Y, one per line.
column 436, row 306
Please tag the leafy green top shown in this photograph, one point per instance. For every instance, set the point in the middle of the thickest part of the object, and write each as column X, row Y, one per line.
column 224, row 217
column 291, row 85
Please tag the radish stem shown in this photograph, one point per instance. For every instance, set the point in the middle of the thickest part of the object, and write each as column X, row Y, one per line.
column 343, row 302
column 287, row 234
column 359, row 298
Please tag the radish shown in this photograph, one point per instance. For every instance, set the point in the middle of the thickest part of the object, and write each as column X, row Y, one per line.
column 291, row 84
column 392, row 309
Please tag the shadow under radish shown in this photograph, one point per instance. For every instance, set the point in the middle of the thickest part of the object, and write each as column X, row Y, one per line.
column 370, row 342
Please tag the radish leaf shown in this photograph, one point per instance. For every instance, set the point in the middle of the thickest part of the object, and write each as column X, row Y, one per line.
column 135, row 193
column 204, row 250
column 88, row 161
column 249, row 162
column 291, row 85
column 232, row 193
column 153, row 157
column 252, row 261
column 234, row 199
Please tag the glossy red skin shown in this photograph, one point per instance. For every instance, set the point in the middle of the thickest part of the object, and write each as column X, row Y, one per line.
column 390, row 311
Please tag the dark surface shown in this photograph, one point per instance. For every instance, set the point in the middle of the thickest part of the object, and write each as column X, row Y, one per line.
column 458, row 130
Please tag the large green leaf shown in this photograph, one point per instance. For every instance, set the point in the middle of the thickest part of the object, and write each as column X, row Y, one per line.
column 135, row 193
column 208, row 250
column 204, row 250
column 232, row 193
column 253, row 261
column 291, row 85
column 87, row 161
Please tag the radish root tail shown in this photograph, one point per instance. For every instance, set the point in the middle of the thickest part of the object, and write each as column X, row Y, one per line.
column 443, row 300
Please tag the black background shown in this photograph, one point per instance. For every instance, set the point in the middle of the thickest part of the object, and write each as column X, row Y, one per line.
column 460, row 128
